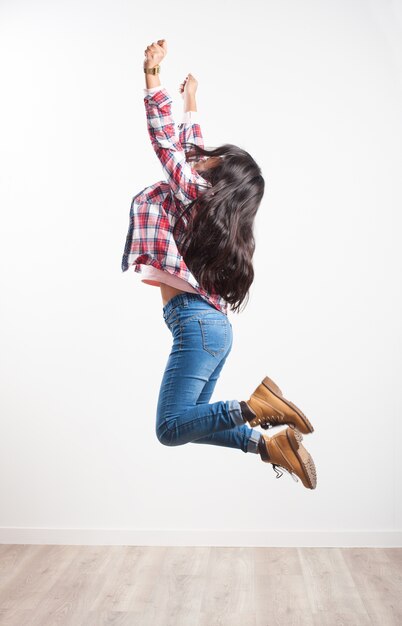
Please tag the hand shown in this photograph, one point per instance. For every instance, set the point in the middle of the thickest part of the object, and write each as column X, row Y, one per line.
column 155, row 53
column 189, row 86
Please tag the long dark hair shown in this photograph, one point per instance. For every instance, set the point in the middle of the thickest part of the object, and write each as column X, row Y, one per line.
column 217, row 243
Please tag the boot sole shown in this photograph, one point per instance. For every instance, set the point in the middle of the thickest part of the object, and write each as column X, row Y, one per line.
column 306, row 460
column 273, row 387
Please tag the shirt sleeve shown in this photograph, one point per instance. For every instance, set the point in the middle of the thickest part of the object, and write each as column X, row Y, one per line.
column 185, row 182
column 190, row 130
column 149, row 90
column 189, row 117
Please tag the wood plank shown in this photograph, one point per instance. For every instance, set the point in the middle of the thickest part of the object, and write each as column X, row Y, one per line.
column 199, row 586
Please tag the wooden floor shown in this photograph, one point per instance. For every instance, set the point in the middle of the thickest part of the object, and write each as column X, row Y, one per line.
column 199, row 586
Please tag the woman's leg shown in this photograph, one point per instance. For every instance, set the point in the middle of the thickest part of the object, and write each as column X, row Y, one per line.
column 202, row 339
column 228, row 438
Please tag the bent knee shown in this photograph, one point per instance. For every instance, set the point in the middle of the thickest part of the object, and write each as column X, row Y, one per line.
column 166, row 437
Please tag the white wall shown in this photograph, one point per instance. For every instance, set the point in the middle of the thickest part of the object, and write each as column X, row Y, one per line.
column 313, row 91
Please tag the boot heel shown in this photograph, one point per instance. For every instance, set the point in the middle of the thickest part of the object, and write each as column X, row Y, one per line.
column 268, row 382
column 296, row 437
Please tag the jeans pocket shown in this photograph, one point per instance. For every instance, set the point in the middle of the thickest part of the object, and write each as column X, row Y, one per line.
column 214, row 334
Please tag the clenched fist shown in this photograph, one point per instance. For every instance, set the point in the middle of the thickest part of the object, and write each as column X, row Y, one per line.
column 189, row 86
column 155, row 53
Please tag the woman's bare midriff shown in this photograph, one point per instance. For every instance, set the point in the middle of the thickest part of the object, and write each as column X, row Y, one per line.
column 167, row 292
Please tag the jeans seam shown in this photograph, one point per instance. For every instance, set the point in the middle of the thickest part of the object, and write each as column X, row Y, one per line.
column 168, row 393
column 199, row 315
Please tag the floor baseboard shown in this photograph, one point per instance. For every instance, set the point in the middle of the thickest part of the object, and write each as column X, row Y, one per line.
column 184, row 537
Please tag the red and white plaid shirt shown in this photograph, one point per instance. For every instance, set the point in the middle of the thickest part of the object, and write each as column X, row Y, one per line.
column 155, row 210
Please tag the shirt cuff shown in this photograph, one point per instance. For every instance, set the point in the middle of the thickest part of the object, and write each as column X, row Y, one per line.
column 152, row 89
column 190, row 117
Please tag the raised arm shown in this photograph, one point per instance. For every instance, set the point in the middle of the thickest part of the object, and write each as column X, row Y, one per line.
column 169, row 146
column 189, row 128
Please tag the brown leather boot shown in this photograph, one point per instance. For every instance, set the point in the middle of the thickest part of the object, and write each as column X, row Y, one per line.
column 267, row 408
column 285, row 450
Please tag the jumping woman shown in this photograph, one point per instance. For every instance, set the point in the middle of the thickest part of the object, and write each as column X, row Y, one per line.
column 192, row 236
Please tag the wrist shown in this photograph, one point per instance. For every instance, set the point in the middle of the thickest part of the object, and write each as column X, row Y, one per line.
column 151, row 78
column 152, row 81
column 151, row 64
column 190, row 103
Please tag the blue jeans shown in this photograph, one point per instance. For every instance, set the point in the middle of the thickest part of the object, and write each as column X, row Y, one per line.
column 202, row 340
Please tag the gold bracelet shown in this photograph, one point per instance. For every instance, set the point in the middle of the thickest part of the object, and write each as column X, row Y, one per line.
column 152, row 70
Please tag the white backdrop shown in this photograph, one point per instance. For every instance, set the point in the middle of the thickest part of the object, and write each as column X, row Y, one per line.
column 313, row 91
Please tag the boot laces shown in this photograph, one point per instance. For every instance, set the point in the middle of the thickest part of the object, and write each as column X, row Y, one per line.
column 279, row 473
column 274, row 420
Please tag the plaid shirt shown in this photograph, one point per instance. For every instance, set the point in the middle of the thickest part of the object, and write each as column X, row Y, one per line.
column 155, row 210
